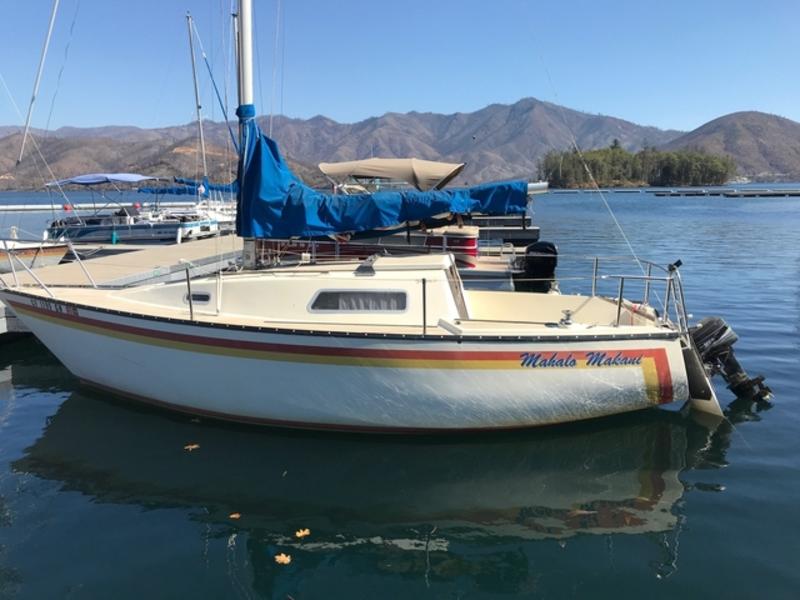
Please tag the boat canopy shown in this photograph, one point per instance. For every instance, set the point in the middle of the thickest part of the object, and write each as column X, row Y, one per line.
column 422, row 174
column 274, row 203
column 98, row 178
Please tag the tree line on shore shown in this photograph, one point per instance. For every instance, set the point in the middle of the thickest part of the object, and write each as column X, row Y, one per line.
column 616, row 167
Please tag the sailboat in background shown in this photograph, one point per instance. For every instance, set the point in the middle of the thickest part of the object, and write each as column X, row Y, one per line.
column 372, row 174
column 480, row 251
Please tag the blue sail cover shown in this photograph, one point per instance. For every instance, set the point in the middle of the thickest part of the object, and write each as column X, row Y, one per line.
column 274, row 203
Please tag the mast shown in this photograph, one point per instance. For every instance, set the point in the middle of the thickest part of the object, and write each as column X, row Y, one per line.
column 245, row 52
column 197, row 96
column 38, row 78
column 246, row 109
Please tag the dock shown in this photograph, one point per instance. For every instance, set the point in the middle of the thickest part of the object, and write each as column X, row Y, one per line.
column 89, row 206
column 126, row 264
column 687, row 192
column 732, row 193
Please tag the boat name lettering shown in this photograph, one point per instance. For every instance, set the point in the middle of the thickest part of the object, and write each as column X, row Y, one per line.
column 568, row 360
column 606, row 359
column 555, row 359
column 54, row 307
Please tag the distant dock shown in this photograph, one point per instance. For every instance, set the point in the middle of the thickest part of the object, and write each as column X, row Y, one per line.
column 732, row 193
column 89, row 206
column 686, row 192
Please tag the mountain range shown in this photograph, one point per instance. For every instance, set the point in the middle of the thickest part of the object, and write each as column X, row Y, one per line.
column 499, row 141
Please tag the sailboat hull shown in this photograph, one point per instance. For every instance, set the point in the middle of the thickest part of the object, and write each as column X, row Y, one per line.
column 354, row 382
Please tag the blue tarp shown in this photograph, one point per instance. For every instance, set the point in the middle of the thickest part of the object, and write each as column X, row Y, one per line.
column 98, row 178
column 274, row 203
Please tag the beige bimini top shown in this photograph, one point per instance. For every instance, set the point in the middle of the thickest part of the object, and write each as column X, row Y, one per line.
column 422, row 174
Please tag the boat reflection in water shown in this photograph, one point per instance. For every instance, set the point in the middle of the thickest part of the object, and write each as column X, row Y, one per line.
column 414, row 503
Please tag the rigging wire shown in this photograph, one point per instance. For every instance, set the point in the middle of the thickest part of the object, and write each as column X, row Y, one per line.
column 214, row 84
column 591, row 176
column 63, row 64
column 258, row 59
column 283, row 57
column 275, row 63
column 35, row 144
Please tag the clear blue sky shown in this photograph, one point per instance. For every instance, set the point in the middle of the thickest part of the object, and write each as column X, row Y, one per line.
column 672, row 64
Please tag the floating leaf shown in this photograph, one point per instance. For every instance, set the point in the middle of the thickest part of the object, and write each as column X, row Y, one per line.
column 301, row 533
column 235, row 516
column 191, row 447
column 283, row 559
column 577, row 512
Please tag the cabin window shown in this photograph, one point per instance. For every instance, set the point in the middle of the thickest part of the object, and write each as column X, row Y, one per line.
column 357, row 301
column 202, row 297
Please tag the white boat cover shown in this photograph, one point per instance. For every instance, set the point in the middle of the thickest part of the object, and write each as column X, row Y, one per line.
column 422, row 174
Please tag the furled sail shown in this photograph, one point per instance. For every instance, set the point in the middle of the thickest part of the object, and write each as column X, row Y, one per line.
column 274, row 203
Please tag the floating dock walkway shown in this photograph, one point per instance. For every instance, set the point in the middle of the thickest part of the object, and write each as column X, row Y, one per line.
column 732, row 193
column 126, row 264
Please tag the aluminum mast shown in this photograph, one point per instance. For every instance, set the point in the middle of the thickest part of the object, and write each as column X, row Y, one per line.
column 197, row 95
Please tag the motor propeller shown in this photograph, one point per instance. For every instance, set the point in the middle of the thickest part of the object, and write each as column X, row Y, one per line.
column 714, row 340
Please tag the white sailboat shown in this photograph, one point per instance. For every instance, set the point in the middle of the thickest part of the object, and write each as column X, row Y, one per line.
column 391, row 344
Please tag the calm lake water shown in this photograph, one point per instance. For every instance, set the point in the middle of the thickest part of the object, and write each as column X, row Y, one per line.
column 99, row 499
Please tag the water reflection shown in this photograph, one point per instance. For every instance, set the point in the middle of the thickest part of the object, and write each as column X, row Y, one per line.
column 446, row 509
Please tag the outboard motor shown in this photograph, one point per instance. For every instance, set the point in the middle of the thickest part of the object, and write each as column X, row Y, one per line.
column 714, row 340
column 537, row 269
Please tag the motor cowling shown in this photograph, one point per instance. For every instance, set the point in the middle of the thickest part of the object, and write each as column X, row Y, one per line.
column 536, row 271
column 714, row 340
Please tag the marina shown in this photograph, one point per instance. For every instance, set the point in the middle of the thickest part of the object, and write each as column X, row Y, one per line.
column 340, row 339
column 388, row 386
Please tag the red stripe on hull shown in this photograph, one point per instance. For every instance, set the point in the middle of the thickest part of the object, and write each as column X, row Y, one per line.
column 658, row 355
